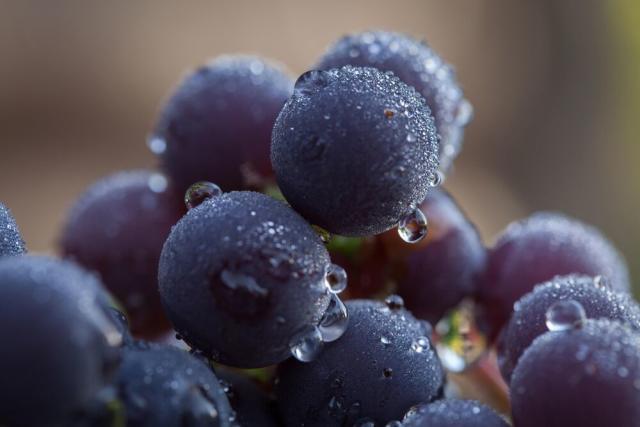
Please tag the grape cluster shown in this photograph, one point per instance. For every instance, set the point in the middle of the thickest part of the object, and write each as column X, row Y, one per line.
column 294, row 262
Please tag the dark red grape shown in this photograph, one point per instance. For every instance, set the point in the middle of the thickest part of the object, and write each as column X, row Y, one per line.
column 117, row 228
column 416, row 64
column 529, row 317
column 241, row 275
column 216, row 126
column 354, row 150
column 535, row 250
column 587, row 376
column 453, row 413
column 11, row 242
column 380, row 367
column 59, row 345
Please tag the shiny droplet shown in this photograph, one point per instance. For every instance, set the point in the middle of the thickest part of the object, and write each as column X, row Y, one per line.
column 387, row 372
column 335, row 278
column 325, row 236
column 157, row 145
column 411, row 137
column 413, row 227
column 458, row 340
column 157, row 183
column 564, row 315
column 394, row 302
column 310, row 82
column 307, row 344
column 436, row 179
column 199, row 192
column 385, row 341
column 334, row 321
column 464, row 113
column 420, row 344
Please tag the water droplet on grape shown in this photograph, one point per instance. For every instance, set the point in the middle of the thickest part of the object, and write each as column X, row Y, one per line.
column 385, row 341
column 306, row 344
column 420, row 344
column 387, row 372
column 464, row 113
column 394, row 302
column 310, row 82
column 157, row 183
column 436, row 179
column 564, row 315
column 411, row 137
column 157, row 145
column 199, row 192
column 413, row 227
column 334, row 321
column 335, row 278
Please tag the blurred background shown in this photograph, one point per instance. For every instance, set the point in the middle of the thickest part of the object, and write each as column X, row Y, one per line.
column 555, row 85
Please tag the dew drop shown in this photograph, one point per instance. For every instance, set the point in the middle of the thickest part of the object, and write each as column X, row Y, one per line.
column 385, row 341
column 199, row 192
column 475, row 410
column 420, row 344
column 436, row 179
column 157, row 183
column 464, row 113
column 306, row 344
column 157, row 145
column 310, row 82
column 335, row 278
column 564, row 315
column 334, row 321
column 413, row 227
column 394, row 302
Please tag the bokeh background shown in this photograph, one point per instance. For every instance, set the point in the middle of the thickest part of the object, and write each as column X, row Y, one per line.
column 555, row 85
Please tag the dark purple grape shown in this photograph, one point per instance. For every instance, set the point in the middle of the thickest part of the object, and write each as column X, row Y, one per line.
column 587, row 376
column 59, row 345
column 537, row 249
column 216, row 126
column 240, row 275
column 117, row 228
column 165, row 386
column 416, row 64
column 437, row 273
column 529, row 320
column 354, row 149
column 380, row 367
column 11, row 242
column 252, row 405
column 453, row 413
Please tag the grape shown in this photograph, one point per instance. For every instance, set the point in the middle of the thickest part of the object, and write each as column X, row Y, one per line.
column 354, row 149
column 535, row 250
column 529, row 318
column 437, row 273
column 253, row 406
column 240, row 275
column 11, row 242
column 453, row 413
column 117, row 229
column 59, row 345
column 381, row 366
column 416, row 64
column 165, row 386
column 217, row 124
column 587, row 376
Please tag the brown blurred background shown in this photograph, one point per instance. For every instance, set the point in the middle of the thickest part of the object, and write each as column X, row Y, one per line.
column 554, row 84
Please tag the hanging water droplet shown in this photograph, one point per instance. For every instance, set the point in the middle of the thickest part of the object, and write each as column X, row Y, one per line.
column 394, row 302
column 199, row 192
column 436, row 179
column 601, row 282
column 307, row 344
column 458, row 340
column 413, row 227
column 564, row 315
column 157, row 183
column 334, row 321
column 157, row 145
column 335, row 278
column 420, row 344
column 464, row 113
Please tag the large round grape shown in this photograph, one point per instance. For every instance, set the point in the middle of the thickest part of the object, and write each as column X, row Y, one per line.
column 536, row 249
column 11, row 242
column 529, row 317
column 165, row 386
column 377, row 370
column 240, row 275
column 217, row 124
column 354, row 149
column 117, row 228
column 453, row 413
column 437, row 273
column 416, row 64
column 253, row 406
column 59, row 345
column 587, row 377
